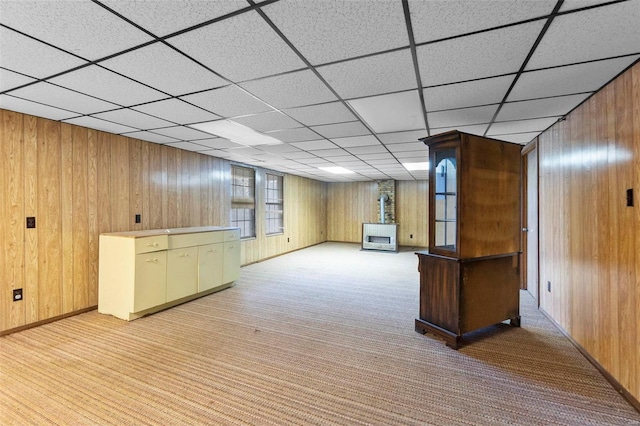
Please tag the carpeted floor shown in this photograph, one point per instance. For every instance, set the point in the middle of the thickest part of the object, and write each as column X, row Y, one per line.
column 320, row 336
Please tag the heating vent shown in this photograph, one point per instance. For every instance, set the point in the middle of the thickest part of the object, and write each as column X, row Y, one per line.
column 379, row 236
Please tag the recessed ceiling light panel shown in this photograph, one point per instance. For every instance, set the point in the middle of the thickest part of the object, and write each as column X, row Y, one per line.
column 336, row 170
column 236, row 132
column 416, row 166
column 391, row 113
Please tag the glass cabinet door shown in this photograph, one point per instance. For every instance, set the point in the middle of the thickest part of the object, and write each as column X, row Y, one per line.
column 446, row 199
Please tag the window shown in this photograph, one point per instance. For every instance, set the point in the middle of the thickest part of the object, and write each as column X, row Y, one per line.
column 274, row 205
column 243, row 205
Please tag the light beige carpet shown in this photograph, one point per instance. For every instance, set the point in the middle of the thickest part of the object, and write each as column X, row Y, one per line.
column 321, row 336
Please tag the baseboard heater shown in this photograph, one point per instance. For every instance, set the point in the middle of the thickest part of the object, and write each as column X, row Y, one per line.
column 380, row 236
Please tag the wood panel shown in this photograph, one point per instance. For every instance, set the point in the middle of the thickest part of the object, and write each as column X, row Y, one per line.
column 412, row 213
column 589, row 247
column 79, row 183
column 349, row 205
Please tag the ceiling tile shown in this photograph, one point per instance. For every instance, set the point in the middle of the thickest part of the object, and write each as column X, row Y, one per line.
column 577, row 4
column 356, row 141
column 401, row 137
column 391, row 113
column 323, row 153
column 291, row 90
column 150, row 137
column 315, row 145
column 268, row 121
column 549, row 107
column 229, row 101
column 340, row 130
column 189, row 146
column 369, row 149
column 96, row 123
column 182, row 133
column 131, row 118
column 462, row 117
column 373, row 75
column 333, row 112
column 297, row 155
column 10, row 79
column 521, row 126
column 412, row 156
column 80, row 27
column 588, row 35
column 569, row 79
column 385, row 162
column 477, row 129
column 329, row 31
column 59, row 97
column 33, row 108
column 294, row 135
column 239, row 48
column 42, row 60
column 471, row 93
column 177, row 111
column 218, row 143
column 520, row 138
column 375, row 156
column 409, row 146
column 162, row 17
column 487, row 54
column 433, row 20
column 278, row 149
column 112, row 87
column 165, row 70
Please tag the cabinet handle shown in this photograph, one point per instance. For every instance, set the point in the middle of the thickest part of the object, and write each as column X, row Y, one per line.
column 152, row 245
column 151, row 260
column 210, row 251
column 184, row 255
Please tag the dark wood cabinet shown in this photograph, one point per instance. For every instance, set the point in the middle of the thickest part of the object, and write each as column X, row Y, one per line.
column 469, row 277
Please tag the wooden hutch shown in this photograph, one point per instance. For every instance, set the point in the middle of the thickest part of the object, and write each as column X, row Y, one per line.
column 469, row 277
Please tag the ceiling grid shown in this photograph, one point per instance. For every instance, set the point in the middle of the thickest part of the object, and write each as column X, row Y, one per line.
column 339, row 83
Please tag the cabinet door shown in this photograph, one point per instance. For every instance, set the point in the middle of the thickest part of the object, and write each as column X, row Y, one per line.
column 210, row 260
column 231, row 269
column 150, row 280
column 182, row 272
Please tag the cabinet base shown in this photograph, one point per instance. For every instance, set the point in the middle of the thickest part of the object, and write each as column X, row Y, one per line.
column 451, row 339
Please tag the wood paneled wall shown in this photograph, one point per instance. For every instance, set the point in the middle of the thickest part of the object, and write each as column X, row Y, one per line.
column 412, row 212
column 351, row 204
column 80, row 182
column 589, row 238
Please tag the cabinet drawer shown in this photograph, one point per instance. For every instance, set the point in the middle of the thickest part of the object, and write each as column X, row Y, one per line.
column 233, row 235
column 195, row 239
column 149, row 244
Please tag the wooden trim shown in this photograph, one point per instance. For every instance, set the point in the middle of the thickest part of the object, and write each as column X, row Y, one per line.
column 47, row 321
column 614, row 383
column 530, row 147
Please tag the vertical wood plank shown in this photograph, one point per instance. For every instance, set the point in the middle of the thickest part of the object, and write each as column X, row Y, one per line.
column 67, row 182
column 80, row 214
column 13, row 217
column 30, row 138
column 120, row 192
column 157, row 185
column 135, row 183
column 49, row 225
column 103, row 183
column 92, row 217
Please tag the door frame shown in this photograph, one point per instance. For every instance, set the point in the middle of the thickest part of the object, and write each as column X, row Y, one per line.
column 525, row 220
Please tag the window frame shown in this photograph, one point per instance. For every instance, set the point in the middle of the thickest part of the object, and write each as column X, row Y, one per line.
column 243, row 201
column 278, row 202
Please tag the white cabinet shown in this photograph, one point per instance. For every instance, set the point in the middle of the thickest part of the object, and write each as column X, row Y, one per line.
column 142, row 272
column 210, row 263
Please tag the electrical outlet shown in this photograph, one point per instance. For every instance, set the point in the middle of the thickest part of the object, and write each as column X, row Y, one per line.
column 549, row 286
column 31, row 222
column 138, row 218
column 287, row 239
column 410, row 235
column 630, row 197
column 17, row 294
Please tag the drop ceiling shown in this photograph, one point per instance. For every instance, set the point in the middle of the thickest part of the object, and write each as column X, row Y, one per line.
column 341, row 83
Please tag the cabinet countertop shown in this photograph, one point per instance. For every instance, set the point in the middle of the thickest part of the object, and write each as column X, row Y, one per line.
column 170, row 231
